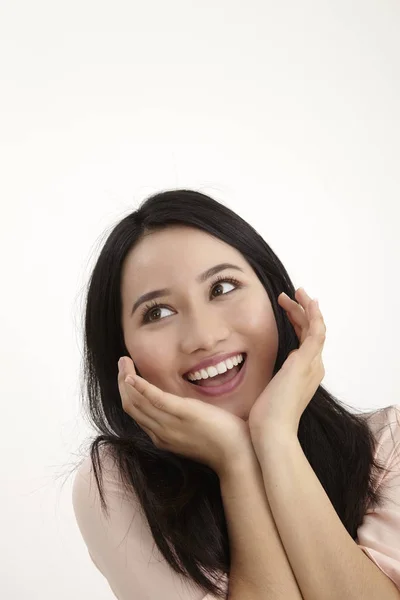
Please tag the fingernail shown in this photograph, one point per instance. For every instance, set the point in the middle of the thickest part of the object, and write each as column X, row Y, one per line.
column 121, row 363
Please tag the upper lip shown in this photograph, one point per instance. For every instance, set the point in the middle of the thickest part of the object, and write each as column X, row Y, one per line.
column 211, row 361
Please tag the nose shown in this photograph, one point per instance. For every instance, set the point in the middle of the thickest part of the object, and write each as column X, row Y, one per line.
column 203, row 329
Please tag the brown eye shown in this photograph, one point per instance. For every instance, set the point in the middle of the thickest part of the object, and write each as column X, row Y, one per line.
column 149, row 309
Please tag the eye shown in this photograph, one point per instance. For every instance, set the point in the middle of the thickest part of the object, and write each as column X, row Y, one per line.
column 150, row 308
column 221, row 279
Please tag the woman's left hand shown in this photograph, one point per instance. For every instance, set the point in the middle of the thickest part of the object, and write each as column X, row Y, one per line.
column 281, row 405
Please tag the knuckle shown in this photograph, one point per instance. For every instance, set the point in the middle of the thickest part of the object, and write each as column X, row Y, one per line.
column 158, row 404
column 158, row 442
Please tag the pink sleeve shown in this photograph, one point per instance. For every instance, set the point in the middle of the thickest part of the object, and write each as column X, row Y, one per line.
column 379, row 534
column 121, row 546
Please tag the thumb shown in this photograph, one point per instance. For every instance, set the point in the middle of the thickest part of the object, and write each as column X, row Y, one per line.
column 128, row 366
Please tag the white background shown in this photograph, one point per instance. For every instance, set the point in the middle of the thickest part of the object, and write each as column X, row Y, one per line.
column 288, row 112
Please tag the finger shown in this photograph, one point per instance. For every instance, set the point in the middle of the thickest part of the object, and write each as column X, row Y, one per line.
column 295, row 310
column 296, row 327
column 303, row 314
column 132, row 405
column 317, row 323
column 318, row 326
column 308, row 317
column 128, row 394
column 158, row 399
column 147, row 423
column 151, row 435
column 126, row 366
column 133, row 402
column 304, row 300
column 313, row 344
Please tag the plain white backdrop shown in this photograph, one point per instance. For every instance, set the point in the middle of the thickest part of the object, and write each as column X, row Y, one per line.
column 288, row 112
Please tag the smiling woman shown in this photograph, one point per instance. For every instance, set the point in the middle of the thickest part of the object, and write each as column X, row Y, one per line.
column 169, row 252
column 201, row 315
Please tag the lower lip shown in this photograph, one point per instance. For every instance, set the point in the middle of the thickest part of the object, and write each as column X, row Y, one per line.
column 225, row 388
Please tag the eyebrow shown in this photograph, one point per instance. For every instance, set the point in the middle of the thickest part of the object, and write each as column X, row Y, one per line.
column 200, row 279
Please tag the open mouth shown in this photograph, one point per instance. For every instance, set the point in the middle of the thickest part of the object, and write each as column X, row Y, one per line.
column 221, row 378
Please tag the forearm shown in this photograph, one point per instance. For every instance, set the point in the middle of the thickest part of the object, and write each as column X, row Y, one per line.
column 325, row 559
column 260, row 569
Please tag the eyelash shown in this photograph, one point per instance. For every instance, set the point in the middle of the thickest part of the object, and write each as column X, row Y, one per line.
column 154, row 304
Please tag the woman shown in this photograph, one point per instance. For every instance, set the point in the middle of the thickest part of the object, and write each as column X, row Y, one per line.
column 246, row 478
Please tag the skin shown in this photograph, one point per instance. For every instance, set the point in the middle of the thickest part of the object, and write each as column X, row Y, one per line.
column 210, row 434
column 196, row 321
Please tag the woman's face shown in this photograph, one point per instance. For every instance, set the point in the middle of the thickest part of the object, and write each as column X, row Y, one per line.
column 197, row 319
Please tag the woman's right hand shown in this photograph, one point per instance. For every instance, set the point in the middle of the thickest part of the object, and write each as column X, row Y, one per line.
column 186, row 426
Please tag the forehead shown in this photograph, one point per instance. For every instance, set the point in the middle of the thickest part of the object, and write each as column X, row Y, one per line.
column 177, row 250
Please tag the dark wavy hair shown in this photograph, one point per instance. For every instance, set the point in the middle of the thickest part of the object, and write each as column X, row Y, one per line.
column 180, row 498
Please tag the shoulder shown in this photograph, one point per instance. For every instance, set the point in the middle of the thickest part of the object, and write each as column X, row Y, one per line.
column 120, row 543
column 85, row 476
column 378, row 535
column 85, row 473
column 106, row 533
column 385, row 425
column 86, row 499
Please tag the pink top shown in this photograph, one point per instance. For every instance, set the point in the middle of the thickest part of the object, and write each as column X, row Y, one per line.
column 123, row 550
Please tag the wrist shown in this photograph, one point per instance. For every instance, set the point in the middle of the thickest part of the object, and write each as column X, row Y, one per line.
column 268, row 441
column 239, row 463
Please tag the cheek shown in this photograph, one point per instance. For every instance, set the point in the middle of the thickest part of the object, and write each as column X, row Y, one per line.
column 257, row 317
column 152, row 361
column 261, row 330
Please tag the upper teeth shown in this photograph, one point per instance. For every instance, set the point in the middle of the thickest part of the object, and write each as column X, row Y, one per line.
column 221, row 367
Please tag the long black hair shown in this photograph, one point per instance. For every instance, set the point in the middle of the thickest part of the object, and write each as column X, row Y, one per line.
column 181, row 498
